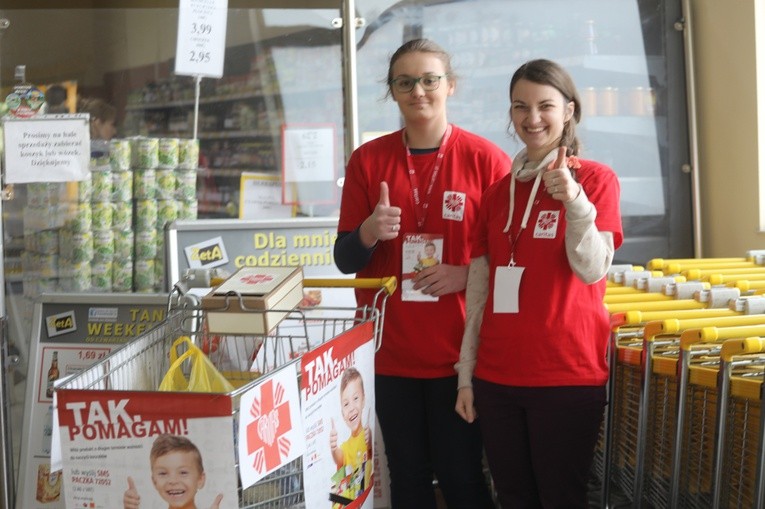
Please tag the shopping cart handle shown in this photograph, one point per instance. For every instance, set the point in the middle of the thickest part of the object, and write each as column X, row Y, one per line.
column 388, row 283
column 741, row 346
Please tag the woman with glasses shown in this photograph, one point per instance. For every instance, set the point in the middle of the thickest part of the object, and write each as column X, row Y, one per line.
column 533, row 356
column 420, row 184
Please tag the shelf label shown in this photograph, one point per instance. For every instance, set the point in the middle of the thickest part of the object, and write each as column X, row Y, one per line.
column 201, row 38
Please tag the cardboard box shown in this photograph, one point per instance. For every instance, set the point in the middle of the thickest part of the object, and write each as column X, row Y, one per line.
column 254, row 300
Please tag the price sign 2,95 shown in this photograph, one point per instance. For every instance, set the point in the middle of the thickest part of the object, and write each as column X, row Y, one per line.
column 201, row 42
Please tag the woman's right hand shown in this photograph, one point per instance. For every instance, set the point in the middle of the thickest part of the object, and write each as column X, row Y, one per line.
column 384, row 223
column 464, row 405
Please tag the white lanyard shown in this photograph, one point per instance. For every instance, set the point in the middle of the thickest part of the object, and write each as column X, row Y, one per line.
column 526, row 213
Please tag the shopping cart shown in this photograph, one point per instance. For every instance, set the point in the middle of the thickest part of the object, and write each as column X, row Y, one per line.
column 141, row 364
column 721, row 443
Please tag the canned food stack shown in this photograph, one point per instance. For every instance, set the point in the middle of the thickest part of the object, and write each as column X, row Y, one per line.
column 40, row 258
column 145, row 168
column 116, row 244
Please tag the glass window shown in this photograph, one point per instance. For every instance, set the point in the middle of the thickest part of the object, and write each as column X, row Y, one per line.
column 627, row 67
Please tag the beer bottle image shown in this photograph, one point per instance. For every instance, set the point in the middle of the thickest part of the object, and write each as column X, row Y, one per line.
column 52, row 375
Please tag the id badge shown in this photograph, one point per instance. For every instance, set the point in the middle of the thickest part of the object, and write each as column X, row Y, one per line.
column 507, row 283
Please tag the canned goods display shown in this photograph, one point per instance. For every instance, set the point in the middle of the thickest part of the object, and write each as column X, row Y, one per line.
column 85, row 189
column 168, row 153
column 167, row 212
column 44, row 194
column 143, row 275
column 188, row 154
column 122, row 216
column 75, row 277
column 144, row 184
column 145, row 153
column 122, row 275
column 76, row 247
column 165, row 184
column 43, row 241
column 160, row 243
column 101, row 182
column 119, row 155
column 80, row 218
column 39, row 265
column 103, row 213
column 186, row 185
column 159, row 273
column 187, row 209
column 122, row 186
column 145, row 215
column 101, row 276
column 103, row 245
column 146, row 245
column 123, row 244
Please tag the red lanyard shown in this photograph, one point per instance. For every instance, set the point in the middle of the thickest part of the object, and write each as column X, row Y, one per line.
column 421, row 207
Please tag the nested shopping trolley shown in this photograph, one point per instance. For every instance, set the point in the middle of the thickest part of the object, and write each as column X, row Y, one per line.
column 141, row 364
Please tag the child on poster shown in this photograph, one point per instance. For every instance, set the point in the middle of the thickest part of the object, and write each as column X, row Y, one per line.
column 177, row 473
column 352, row 457
column 420, row 251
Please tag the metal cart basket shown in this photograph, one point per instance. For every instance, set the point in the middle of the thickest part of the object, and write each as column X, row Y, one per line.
column 141, row 364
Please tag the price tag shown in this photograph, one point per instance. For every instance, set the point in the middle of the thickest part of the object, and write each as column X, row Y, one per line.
column 308, row 153
column 201, row 38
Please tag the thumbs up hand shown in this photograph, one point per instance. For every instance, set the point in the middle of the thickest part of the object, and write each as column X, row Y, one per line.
column 385, row 221
column 558, row 180
column 131, row 499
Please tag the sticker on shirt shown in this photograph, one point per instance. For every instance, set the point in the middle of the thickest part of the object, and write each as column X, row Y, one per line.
column 453, row 206
column 421, row 250
column 547, row 224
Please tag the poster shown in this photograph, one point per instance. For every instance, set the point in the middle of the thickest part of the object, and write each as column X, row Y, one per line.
column 337, row 392
column 270, row 428
column 420, row 251
column 162, row 449
column 70, row 332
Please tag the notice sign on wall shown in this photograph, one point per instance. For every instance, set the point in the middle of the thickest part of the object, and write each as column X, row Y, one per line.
column 47, row 148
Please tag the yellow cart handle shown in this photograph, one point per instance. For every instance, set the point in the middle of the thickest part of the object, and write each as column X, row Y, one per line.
column 741, row 346
column 388, row 283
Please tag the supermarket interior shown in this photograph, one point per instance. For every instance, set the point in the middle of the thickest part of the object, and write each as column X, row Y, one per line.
column 232, row 123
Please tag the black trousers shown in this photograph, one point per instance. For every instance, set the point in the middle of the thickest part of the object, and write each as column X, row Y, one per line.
column 540, row 442
column 424, row 437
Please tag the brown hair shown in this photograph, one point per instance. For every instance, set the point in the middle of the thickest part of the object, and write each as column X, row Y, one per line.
column 547, row 72
column 420, row 46
column 350, row 375
column 166, row 443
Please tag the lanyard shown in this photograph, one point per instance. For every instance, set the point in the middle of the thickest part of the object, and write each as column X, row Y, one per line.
column 421, row 207
column 526, row 213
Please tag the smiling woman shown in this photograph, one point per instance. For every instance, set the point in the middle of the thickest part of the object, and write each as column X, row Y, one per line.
column 421, row 182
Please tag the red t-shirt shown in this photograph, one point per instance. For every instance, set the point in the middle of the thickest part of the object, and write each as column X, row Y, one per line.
column 560, row 334
column 421, row 339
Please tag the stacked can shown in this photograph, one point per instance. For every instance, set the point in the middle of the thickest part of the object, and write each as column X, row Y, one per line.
column 116, row 244
column 40, row 258
column 102, row 216
column 76, row 237
column 145, row 169
column 186, row 179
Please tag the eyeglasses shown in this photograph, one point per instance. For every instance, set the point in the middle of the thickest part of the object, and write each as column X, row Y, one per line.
column 428, row 82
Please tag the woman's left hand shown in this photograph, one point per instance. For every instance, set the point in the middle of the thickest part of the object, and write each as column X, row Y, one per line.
column 441, row 279
column 558, row 181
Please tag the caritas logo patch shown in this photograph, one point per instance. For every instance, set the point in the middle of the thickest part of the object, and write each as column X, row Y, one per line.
column 453, row 206
column 547, row 224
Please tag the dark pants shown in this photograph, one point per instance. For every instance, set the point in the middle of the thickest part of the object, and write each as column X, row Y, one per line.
column 424, row 437
column 539, row 442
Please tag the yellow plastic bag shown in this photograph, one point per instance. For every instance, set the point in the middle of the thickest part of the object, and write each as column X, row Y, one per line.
column 203, row 376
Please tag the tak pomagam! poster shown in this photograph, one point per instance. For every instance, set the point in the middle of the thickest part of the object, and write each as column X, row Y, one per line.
column 147, row 449
column 337, row 393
